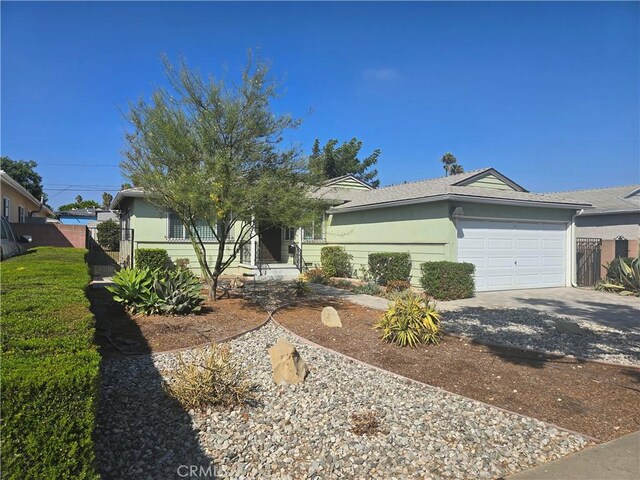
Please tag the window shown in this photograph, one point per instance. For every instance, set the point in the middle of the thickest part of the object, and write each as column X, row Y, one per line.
column 176, row 230
column 315, row 231
column 289, row 234
column 5, row 207
column 22, row 214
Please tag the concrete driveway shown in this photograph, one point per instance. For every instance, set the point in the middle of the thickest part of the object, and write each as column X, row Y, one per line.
column 601, row 308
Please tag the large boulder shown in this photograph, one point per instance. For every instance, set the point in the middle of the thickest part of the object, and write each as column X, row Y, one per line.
column 287, row 365
column 330, row 317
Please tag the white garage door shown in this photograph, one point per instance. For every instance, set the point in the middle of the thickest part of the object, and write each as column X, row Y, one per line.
column 512, row 255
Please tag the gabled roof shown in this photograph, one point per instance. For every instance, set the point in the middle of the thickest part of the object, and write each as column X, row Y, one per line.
column 126, row 193
column 5, row 177
column 623, row 199
column 453, row 188
column 485, row 172
column 338, row 180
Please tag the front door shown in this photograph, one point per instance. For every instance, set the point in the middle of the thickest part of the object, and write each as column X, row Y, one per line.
column 271, row 244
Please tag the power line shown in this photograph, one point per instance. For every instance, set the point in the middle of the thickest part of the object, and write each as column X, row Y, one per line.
column 77, row 165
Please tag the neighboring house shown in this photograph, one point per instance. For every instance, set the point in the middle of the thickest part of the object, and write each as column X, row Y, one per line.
column 18, row 205
column 615, row 219
column 516, row 239
column 78, row 216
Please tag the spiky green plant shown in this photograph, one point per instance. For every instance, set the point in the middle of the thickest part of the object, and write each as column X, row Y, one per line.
column 628, row 282
column 179, row 293
column 134, row 289
column 410, row 321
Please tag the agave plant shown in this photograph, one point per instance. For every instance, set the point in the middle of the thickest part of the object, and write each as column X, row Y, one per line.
column 179, row 293
column 628, row 282
column 410, row 321
column 134, row 289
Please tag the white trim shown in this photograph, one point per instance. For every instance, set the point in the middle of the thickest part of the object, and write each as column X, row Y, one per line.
column 333, row 181
column 510, row 219
column 459, row 198
column 22, row 219
column 8, row 208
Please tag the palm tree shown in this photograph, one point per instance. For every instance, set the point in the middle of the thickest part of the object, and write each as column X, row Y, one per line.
column 456, row 169
column 448, row 159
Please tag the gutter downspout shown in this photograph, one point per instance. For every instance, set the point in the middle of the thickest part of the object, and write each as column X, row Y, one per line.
column 573, row 249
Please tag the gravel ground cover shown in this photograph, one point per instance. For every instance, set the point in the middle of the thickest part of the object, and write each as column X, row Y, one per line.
column 526, row 328
column 303, row 431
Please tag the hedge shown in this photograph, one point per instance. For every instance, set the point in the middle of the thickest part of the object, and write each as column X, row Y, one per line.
column 448, row 280
column 335, row 261
column 390, row 266
column 49, row 368
column 151, row 258
column 109, row 234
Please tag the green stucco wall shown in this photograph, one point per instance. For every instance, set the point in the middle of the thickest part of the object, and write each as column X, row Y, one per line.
column 489, row 181
column 150, row 231
column 424, row 231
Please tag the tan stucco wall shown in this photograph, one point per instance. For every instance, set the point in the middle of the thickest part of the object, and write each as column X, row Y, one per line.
column 15, row 199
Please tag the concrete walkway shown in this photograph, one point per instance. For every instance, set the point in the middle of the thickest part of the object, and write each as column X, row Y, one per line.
column 369, row 301
column 615, row 460
column 602, row 308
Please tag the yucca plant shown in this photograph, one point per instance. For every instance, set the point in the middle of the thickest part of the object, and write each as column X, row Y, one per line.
column 410, row 321
column 300, row 288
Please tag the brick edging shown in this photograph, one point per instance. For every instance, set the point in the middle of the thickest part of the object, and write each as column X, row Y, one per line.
column 423, row 384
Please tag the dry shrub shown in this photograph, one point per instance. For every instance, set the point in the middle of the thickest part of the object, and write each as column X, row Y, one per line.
column 366, row 423
column 210, row 377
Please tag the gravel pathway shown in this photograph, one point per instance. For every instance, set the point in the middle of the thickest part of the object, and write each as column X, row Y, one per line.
column 303, row 431
column 527, row 328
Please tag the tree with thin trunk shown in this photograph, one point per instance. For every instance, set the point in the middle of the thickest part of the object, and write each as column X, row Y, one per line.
column 212, row 152
column 106, row 200
column 335, row 160
column 450, row 164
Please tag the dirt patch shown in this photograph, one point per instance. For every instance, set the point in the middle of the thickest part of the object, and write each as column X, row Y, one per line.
column 119, row 333
column 594, row 399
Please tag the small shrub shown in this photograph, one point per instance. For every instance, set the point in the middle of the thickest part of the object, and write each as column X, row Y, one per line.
column 368, row 289
column 336, row 262
column 182, row 263
column 398, row 286
column 448, row 280
column 386, row 267
column 410, row 321
column 300, row 288
column 210, row 377
column 109, row 234
column 151, row 258
column 316, row 275
column 341, row 283
column 366, row 423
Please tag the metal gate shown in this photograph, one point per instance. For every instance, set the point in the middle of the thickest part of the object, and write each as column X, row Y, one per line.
column 108, row 252
column 588, row 261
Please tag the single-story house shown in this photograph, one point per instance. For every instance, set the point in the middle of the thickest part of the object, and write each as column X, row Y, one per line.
column 515, row 238
column 615, row 219
column 18, row 205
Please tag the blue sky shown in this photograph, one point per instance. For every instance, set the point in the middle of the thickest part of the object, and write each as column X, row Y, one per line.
column 548, row 93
